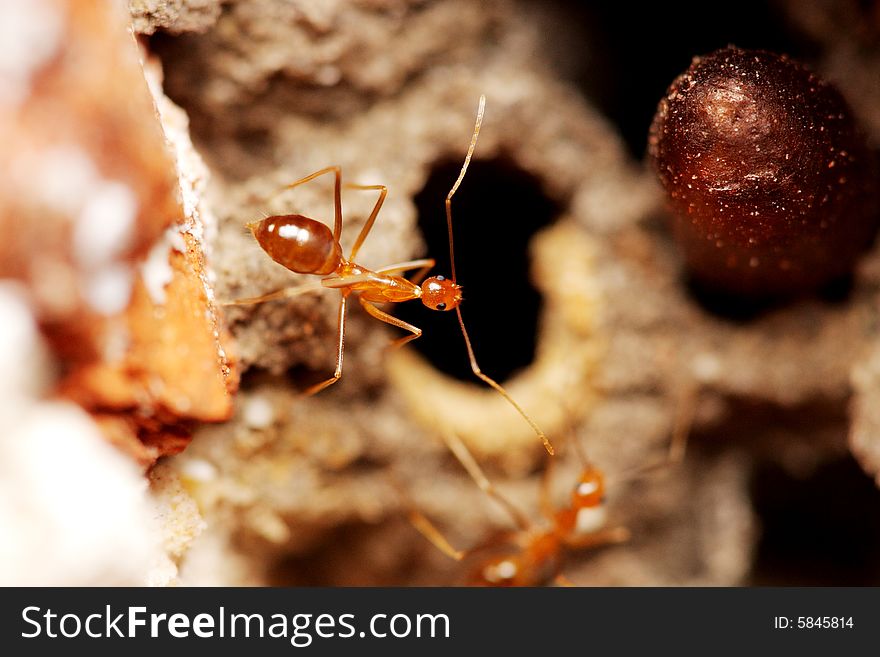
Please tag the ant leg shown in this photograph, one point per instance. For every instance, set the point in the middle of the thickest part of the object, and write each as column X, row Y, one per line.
column 681, row 428
column 383, row 192
column 390, row 319
column 318, row 387
column 337, row 194
column 423, row 265
column 347, row 282
column 427, row 529
column 283, row 293
column 467, row 460
column 547, row 508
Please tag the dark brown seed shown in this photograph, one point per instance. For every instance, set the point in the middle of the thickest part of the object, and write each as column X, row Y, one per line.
column 769, row 178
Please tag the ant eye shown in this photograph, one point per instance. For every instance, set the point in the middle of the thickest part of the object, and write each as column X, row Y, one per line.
column 441, row 306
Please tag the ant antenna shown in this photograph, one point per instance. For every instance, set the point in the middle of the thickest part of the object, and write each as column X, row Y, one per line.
column 682, row 424
column 467, row 160
column 571, row 427
column 467, row 341
column 578, row 446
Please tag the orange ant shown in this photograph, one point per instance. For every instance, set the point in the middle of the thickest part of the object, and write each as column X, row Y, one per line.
column 307, row 246
column 530, row 555
column 533, row 555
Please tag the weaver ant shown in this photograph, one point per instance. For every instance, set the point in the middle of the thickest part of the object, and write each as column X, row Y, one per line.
column 533, row 555
column 307, row 246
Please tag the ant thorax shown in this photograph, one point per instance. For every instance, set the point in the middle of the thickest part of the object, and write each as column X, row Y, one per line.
column 589, row 520
column 587, row 513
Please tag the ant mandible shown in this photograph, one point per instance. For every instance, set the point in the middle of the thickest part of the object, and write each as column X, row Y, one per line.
column 306, row 246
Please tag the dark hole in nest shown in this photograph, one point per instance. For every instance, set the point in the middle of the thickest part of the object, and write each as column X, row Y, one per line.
column 495, row 212
column 820, row 528
column 744, row 309
column 823, row 530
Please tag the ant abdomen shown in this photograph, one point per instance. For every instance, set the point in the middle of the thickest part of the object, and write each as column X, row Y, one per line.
column 513, row 564
column 303, row 245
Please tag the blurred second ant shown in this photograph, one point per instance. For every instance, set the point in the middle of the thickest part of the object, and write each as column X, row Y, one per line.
column 533, row 555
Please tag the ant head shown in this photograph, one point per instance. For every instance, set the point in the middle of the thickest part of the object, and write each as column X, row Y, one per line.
column 439, row 293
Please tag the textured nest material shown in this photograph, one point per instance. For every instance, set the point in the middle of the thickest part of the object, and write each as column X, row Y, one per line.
column 297, row 490
column 622, row 348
